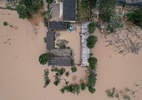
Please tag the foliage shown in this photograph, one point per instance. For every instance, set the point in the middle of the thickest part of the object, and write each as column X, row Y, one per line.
column 71, row 88
column 72, row 62
column 93, row 3
column 91, row 79
column 114, row 23
column 67, row 74
column 92, row 63
column 59, row 71
column 83, row 86
column 91, row 89
column 110, row 92
column 73, row 69
column 106, row 8
column 43, row 58
column 44, row 13
column 56, row 82
column 45, row 21
column 27, row 9
column 82, row 11
column 5, row 23
column 91, row 41
column 45, row 39
column 46, row 78
column 68, row 24
column 92, row 27
column 135, row 16
column 47, row 81
column 49, row 1
column 91, row 54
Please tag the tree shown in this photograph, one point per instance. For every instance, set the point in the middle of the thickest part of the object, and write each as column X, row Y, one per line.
column 73, row 69
column 56, row 82
column 71, row 88
column 67, row 74
column 5, row 23
column 49, row 1
column 91, row 79
column 44, row 58
column 106, row 9
column 46, row 78
column 114, row 23
column 28, row 8
column 91, row 41
column 92, row 27
column 135, row 16
column 83, row 86
column 92, row 63
column 91, row 90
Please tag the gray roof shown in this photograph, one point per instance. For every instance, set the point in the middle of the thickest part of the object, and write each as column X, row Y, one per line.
column 60, row 61
column 69, row 10
column 50, row 40
column 57, row 25
column 61, row 52
column 60, row 57
column 131, row 2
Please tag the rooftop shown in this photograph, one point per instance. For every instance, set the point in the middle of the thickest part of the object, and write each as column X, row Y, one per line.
column 61, row 57
column 69, row 10
column 50, row 40
column 57, row 25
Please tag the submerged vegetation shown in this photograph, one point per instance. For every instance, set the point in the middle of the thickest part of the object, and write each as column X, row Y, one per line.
column 91, row 41
column 5, row 23
column 43, row 58
column 92, row 27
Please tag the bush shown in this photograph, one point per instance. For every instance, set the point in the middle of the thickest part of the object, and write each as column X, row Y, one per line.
column 27, row 9
column 91, row 41
column 46, row 78
column 92, row 63
column 106, row 9
column 71, row 88
column 73, row 69
column 43, row 58
column 91, row 79
column 5, row 23
column 49, row 1
column 91, row 90
column 56, row 82
column 92, row 27
column 45, row 21
column 67, row 74
column 114, row 23
column 136, row 17
column 45, row 39
column 83, row 86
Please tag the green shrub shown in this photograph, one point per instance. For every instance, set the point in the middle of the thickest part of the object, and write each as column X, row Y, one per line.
column 92, row 63
column 45, row 39
column 5, row 23
column 71, row 88
column 43, row 58
column 91, row 79
column 91, row 41
column 45, row 21
column 135, row 16
column 83, row 86
column 92, row 27
column 67, row 74
column 91, row 90
column 56, row 82
column 73, row 69
column 47, row 81
column 49, row 1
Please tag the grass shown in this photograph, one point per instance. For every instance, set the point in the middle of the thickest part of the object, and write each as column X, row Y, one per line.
column 82, row 11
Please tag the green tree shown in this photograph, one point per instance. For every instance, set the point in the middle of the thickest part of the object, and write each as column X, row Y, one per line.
column 67, row 74
column 135, row 16
column 91, row 90
column 73, row 69
column 46, row 78
column 114, row 23
column 92, row 27
column 71, row 88
column 5, row 23
column 56, row 82
column 106, row 8
column 91, row 41
column 44, row 58
column 49, row 1
column 91, row 79
column 83, row 86
column 92, row 63
column 28, row 8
